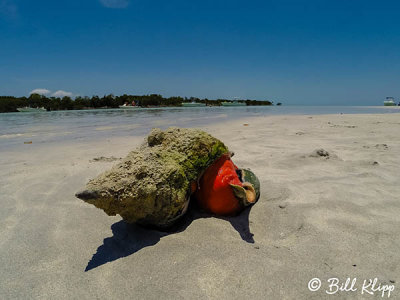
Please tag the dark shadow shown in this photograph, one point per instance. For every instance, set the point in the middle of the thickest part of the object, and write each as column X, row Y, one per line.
column 127, row 238
column 241, row 224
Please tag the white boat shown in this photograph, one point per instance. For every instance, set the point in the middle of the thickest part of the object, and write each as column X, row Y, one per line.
column 234, row 103
column 31, row 109
column 193, row 104
column 389, row 102
column 129, row 106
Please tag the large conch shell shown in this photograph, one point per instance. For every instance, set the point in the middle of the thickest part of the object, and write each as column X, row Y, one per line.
column 154, row 183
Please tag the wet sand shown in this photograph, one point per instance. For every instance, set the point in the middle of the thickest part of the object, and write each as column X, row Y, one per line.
column 331, row 213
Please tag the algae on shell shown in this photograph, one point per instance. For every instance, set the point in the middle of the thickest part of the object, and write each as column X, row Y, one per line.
column 152, row 185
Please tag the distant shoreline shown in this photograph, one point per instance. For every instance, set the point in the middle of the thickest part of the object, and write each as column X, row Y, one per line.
column 11, row 104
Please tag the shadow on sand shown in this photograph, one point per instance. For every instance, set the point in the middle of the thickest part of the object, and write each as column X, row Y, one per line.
column 129, row 238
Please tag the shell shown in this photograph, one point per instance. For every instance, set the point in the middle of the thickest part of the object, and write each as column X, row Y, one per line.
column 153, row 184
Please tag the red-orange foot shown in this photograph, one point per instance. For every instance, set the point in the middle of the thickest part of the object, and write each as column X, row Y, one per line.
column 221, row 190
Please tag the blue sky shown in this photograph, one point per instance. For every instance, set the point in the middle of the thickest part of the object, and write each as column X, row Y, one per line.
column 296, row 52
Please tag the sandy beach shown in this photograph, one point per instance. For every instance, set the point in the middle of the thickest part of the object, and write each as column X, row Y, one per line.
column 322, row 214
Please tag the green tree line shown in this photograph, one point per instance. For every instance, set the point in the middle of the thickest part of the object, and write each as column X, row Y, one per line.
column 10, row 103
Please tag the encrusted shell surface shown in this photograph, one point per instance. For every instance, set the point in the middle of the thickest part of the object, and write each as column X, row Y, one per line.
column 152, row 185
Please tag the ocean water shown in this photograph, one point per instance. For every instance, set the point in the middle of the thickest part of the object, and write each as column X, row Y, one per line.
column 101, row 123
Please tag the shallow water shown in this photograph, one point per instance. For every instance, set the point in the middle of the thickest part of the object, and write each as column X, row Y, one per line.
column 102, row 123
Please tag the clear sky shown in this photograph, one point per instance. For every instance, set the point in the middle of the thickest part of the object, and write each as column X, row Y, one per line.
column 296, row 52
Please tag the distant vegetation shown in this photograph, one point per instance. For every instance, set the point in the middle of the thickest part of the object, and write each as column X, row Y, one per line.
column 10, row 104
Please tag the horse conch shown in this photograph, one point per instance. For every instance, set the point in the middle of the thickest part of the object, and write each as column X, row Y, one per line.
column 154, row 183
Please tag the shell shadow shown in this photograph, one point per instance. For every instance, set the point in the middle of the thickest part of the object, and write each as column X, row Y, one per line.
column 128, row 239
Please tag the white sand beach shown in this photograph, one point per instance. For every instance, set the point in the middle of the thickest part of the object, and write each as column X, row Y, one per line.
column 318, row 216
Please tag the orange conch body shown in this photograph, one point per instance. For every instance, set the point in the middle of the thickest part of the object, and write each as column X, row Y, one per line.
column 214, row 192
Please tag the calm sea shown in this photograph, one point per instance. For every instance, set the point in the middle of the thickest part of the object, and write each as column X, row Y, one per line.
column 93, row 124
